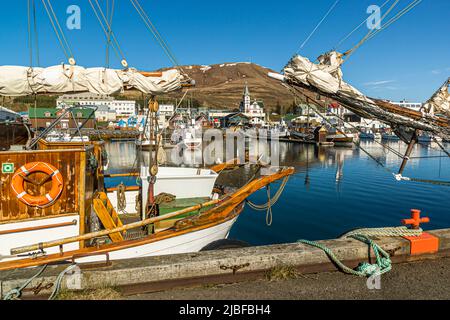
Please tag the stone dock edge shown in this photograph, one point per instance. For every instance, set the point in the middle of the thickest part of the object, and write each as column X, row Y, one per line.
column 159, row 273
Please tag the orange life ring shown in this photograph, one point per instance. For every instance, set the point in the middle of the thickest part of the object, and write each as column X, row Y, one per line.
column 17, row 184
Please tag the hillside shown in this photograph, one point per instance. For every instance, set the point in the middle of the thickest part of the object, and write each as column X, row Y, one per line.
column 221, row 86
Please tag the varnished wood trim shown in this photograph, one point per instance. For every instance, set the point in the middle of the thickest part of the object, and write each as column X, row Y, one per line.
column 47, row 226
column 40, row 218
column 82, row 195
column 131, row 188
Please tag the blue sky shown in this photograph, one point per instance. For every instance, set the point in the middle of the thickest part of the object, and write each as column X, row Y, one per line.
column 408, row 60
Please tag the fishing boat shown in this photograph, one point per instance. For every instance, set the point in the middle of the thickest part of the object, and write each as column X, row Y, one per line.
column 54, row 202
column 192, row 139
column 366, row 135
column 389, row 136
column 340, row 136
column 428, row 138
column 53, row 192
column 54, row 207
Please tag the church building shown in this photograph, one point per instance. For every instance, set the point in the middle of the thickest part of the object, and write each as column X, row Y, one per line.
column 254, row 111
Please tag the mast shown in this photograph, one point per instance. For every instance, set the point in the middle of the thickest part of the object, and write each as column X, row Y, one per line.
column 152, row 208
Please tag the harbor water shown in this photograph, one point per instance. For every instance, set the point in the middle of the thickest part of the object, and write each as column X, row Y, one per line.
column 335, row 190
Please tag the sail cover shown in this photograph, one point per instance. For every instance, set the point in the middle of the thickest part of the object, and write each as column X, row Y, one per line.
column 325, row 76
column 440, row 101
column 21, row 81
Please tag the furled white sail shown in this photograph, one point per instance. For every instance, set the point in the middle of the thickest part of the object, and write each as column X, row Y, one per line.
column 20, row 81
column 326, row 75
column 440, row 101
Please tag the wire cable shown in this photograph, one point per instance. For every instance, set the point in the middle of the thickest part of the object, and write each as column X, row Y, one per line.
column 318, row 25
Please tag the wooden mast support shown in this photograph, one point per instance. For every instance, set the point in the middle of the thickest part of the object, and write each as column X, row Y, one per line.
column 414, row 139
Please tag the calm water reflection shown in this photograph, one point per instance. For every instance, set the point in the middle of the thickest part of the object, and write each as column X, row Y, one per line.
column 334, row 190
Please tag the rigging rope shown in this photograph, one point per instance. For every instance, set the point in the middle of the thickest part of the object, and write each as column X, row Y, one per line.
column 109, row 33
column 110, row 12
column 58, row 31
column 398, row 16
column 318, row 25
column 121, row 197
column 270, row 201
column 359, row 26
column 357, row 144
column 372, row 33
column 152, row 28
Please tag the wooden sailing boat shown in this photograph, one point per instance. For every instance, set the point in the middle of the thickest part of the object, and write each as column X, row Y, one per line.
column 53, row 207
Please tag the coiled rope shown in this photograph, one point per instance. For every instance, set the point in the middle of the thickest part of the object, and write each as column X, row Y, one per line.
column 382, row 263
column 270, row 201
column 121, row 197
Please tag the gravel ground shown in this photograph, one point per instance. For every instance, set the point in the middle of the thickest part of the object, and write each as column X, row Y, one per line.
column 419, row 280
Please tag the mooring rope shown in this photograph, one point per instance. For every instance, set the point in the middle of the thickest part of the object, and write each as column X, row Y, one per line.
column 382, row 263
column 16, row 293
column 57, row 285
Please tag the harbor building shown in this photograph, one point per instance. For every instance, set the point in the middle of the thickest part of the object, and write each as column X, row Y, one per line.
column 122, row 108
column 410, row 105
column 105, row 114
column 254, row 111
column 41, row 118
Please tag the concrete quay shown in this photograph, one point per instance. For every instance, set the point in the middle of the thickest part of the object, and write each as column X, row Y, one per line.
column 153, row 274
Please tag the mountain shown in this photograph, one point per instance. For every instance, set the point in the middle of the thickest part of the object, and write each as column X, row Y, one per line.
column 222, row 85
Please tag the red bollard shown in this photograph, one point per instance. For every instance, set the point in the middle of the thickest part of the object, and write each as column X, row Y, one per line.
column 415, row 220
column 424, row 244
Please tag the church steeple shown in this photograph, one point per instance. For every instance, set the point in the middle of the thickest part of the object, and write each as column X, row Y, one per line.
column 246, row 91
column 245, row 104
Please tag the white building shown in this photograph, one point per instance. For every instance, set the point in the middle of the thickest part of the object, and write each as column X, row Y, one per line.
column 121, row 108
column 165, row 112
column 254, row 110
column 105, row 114
column 410, row 105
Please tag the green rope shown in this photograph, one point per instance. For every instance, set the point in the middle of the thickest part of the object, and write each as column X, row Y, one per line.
column 16, row 293
column 383, row 262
